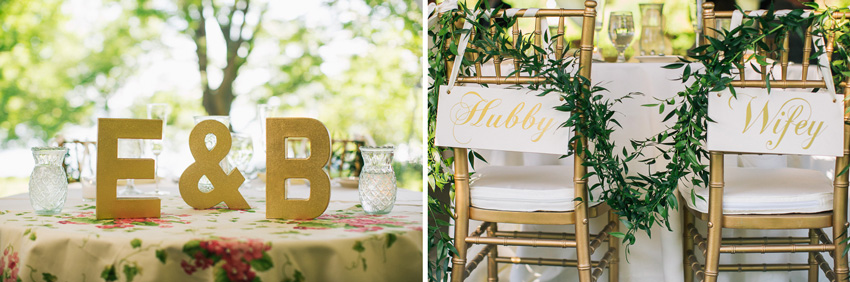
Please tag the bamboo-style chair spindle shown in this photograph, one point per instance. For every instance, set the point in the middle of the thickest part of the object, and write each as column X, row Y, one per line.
column 582, row 240
column 817, row 241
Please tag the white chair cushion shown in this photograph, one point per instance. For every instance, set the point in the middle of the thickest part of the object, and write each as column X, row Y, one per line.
column 768, row 191
column 525, row 188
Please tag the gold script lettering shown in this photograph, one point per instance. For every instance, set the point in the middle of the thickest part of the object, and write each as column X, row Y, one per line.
column 795, row 111
column 472, row 109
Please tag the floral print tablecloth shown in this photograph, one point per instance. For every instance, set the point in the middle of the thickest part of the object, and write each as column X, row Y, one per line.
column 217, row 244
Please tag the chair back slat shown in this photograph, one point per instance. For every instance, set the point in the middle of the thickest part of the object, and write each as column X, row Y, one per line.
column 540, row 29
column 712, row 17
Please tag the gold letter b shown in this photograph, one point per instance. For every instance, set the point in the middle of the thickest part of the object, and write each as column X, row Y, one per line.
column 279, row 168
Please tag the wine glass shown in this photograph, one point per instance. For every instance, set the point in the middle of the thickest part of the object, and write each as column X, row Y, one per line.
column 621, row 29
column 160, row 112
column 130, row 149
column 241, row 152
column 264, row 111
column 209, row 140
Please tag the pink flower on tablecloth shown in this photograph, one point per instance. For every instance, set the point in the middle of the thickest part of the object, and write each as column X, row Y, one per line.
column 364, row 221
column 310, row 228
column 70, row 222
column 417, row 228
column 237, row 256
column 365, row 229
column 12, row 265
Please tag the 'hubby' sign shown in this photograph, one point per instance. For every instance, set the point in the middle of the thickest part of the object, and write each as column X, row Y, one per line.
column 501, row 119
column 782, row 122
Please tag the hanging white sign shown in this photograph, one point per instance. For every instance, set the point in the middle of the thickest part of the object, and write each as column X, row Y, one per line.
column 782, row 122
column 501, row 119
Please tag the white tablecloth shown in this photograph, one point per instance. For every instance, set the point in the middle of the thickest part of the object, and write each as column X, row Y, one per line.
column 658, row 258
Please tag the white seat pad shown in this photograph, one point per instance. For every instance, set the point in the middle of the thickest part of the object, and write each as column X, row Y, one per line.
column 525, row 188
column 768, row 191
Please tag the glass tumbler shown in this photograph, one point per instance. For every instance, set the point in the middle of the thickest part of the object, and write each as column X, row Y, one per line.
column 377, row 180
column 48, row 186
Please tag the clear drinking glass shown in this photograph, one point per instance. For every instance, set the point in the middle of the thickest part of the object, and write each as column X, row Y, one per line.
column 130, row 149
column 264, row 111
column 48, row 187
column 204, row 184
column 621, row 29
column 241, row 152
column 652, row 29
column 160, row 112
column 377, row 180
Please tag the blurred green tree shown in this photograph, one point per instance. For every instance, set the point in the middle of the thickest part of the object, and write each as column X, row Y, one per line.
column 232, row 20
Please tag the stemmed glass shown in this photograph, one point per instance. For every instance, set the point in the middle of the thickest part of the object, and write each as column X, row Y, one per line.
column 241, row 152
column 130, row 149
column 160, row 112
column 264, row 111
column 621, row 29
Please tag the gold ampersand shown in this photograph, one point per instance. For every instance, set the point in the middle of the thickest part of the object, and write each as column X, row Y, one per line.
column 207, row 163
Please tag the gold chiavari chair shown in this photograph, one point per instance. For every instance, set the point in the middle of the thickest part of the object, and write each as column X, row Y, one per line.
column 81, row 151
column 495, row 196
column 349, row 153
column 745, row 198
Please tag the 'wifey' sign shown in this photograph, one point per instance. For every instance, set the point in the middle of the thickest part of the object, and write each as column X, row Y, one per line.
column 501, row 119
column 782, row 122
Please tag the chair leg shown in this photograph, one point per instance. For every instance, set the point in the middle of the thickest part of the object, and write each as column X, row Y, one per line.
column 715, row 217
column 459, row 260
column 614, row 244
column 687, row 240
column 839, row 235
column 813, row 264
column 492, row 266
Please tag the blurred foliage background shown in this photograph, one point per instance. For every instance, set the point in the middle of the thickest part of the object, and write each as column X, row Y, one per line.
column 353, row 64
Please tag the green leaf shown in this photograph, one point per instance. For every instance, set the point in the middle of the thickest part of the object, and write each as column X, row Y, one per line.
column 219, row 275
column 48, row 277
column 262, row 264
column 673, row 66
column 136, row 243
column 391, row 238
column 161, row 255
column 358, row 246
column 191, row 247
column 109, row 273
column 32, row 236
column 131, row 272
column 617, row 234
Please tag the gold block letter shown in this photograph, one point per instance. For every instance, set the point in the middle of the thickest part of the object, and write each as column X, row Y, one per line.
column 110, row 168
column 225, row 187
column 279, row 168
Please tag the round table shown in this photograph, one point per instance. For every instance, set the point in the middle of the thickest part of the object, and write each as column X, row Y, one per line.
column 217, row 244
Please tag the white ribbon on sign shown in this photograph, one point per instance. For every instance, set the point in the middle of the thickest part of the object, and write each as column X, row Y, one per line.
column 464, row 40
column 823, row 59
column 435, row 10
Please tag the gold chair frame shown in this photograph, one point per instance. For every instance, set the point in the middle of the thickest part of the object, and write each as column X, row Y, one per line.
column 581, row 240
column 816, row 242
